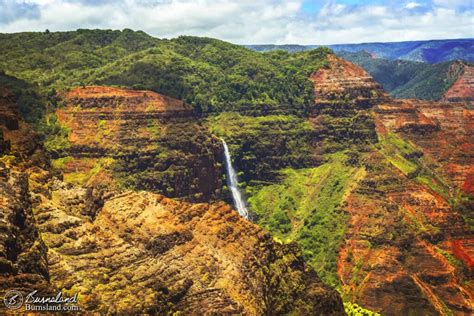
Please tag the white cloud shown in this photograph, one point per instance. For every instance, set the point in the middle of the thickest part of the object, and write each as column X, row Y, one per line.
column 244, row 21
column 412, row 5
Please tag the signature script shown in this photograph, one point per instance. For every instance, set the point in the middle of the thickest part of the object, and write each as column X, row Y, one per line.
column 58, row 299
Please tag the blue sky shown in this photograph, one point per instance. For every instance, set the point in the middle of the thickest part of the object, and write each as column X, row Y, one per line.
column 312, row 6
column 252, row 21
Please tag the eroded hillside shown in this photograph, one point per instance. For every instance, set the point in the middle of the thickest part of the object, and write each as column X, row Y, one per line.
column 387, row 213
column 463, row 88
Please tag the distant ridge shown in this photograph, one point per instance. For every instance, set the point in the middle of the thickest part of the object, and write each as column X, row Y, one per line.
column 430, row 51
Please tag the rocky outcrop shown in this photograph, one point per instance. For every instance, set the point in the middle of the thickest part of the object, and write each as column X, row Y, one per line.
column 442, row 130
column 23, row 259
column 462, row 90
column 199, row 258
column 344, row 96
column 344, row 81
column 139, row 139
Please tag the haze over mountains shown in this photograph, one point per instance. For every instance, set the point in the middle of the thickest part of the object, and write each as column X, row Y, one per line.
column 415, row 69
column 432, row 51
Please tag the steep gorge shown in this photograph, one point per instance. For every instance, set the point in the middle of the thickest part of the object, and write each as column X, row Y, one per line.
column 108, row 244
column 385, row 213
column 397, row 255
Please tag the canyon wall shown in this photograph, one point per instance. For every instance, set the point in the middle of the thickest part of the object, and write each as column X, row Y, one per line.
column 462, row 89
column 407, row 247
column 140, row 140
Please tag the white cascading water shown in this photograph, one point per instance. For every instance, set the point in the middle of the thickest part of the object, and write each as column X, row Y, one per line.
column 232, row 183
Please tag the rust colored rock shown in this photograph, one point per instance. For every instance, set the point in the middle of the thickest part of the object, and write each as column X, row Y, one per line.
column 173, row 255
column 393, row 259
column 406, row 250
column 462, row 89
column 443, row 130
column 344, row 81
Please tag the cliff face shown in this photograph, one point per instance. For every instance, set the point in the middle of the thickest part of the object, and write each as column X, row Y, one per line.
column 398, row 255
column 139, row 139
column 344, row 97
column 343, row 80
column 23, row 259
column 407, row 246
column 441, row 130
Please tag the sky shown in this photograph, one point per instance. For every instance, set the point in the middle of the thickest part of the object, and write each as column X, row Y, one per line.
column 252, row 21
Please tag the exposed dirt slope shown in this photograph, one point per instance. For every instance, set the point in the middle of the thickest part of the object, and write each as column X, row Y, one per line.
column 407, row 247
column 463, row 87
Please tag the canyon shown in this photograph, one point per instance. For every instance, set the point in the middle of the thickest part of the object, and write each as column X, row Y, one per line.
column 120, row 189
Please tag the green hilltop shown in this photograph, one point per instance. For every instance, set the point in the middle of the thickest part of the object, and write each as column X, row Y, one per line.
column 206, row 73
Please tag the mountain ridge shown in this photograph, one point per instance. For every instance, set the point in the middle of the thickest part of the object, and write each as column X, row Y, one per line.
column 429, row 51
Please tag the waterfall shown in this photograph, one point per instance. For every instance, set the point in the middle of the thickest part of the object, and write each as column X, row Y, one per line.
column 232, row 183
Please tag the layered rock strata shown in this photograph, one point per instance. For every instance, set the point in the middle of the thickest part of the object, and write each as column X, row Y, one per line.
column 141, row 139
column 462, row 90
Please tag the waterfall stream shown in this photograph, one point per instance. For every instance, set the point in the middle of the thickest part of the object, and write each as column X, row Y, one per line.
column 232, row 183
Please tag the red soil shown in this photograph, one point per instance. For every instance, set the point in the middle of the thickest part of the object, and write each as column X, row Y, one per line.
column 463, row 87
column 158, row 101
column 460, row 252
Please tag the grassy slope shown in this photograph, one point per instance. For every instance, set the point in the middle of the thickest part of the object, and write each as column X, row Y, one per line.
column 305, row 207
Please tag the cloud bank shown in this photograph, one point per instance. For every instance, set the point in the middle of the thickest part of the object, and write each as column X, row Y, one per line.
column 250, row 21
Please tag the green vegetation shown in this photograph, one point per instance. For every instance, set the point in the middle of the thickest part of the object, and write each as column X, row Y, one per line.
column 31, row 103
column 235, row 125
column 451, row 259
column 409, row 160
column 207, row 73
column 61, row 163
column 262, row 145
column 305, row 206
column 397, row 152
column 56, row 141
column 36, row 108
column 352, row 309
column 81, row 177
